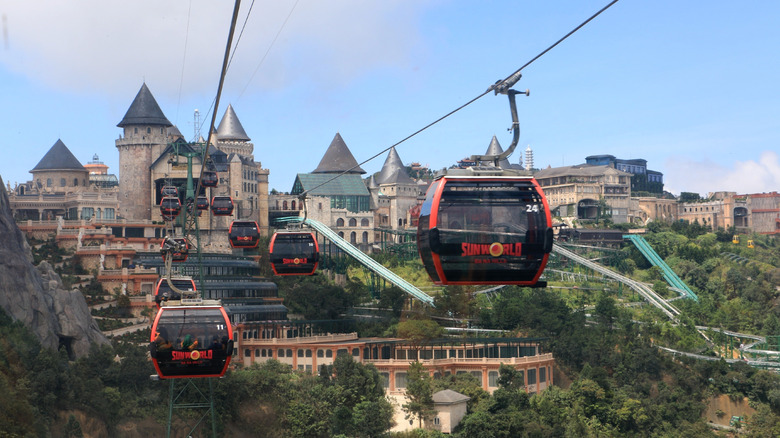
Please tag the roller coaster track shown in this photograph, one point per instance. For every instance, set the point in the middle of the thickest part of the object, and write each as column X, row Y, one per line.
column 669, row 275
column 642, row 289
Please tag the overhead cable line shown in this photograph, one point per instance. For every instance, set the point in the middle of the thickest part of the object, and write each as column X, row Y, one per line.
column 279, row 32
column 235, row 47
column 183, row 60
column 219, row 93
column 501, row 86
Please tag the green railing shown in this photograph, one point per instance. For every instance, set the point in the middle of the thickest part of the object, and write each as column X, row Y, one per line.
column 653, row 257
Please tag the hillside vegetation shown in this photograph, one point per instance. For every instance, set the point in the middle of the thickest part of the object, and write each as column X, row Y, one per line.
column 612, row 380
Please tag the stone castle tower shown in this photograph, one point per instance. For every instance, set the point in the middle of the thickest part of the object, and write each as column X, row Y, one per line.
column 144, row 138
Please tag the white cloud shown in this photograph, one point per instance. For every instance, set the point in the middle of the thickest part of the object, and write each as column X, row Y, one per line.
column 99, row 46
column 750, row 176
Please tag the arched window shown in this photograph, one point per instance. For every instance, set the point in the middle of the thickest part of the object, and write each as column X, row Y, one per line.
column 341, row 234
column 135, row 130
column 400, row 222
column 284, row 205
column 48, row 182
column 353, row 238
column 293, row 205
column 62, row 182
column 365, row 236
column 339, row 222
column 352, row 222
column 364, row 222
column 148, row 130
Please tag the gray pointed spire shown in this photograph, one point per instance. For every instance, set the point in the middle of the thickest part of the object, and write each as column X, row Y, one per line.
column 495, row 149
column 230, row 127
column 393, row 171
column 372, row 183
column 338, row 159
column 59, row 157
column 144, row 111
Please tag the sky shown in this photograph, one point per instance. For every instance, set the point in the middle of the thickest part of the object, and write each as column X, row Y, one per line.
column 692, row 87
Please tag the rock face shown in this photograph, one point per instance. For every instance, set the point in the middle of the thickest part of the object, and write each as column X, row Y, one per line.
column 36, row 297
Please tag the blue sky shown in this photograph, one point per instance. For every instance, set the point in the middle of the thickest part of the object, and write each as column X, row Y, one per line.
column 692, row 87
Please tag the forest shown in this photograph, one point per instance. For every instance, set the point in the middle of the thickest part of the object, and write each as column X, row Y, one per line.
column 612, row 379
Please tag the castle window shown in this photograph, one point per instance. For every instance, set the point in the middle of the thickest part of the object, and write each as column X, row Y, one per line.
column 148, row 130
column 135, row 130
column 75, row 181
column 365, row 236
column 48, row 182
column 339, row 222
column 364, row 222
column 352, row 222
column 62, row 182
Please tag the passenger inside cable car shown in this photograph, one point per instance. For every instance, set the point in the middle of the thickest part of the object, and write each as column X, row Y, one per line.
column 485, row 232
column 202, row 346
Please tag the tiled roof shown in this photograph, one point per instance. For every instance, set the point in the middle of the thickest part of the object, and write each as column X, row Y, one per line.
column 230, row 127
column 449, row 397
column 144, row 111
column 338, row 159
column 348, row 184
column 59, row 157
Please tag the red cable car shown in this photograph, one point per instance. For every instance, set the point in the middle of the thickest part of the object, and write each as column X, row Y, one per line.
column 164, row 292
column 191, row 341
column 294, row 253
column 169, row 191
column 244, row 234
column 202, row 203
column 170, row 206
column 209, row 178
column 178, row 247
column 222, row 205
column 485, row 230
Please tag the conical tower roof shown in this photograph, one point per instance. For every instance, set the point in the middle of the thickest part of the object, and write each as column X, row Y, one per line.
column 393, row 171
column 144, row 111
column 230, row 128
column 372, row 183
column 338, row 159
column 59, row 157
column 495, row 149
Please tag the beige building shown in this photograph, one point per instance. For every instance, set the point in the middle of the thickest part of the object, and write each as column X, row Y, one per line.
column 153, row 154
column 575, row 191
column 63, row 187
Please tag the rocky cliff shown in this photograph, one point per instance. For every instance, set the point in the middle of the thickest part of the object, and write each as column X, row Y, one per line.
column 36, row 297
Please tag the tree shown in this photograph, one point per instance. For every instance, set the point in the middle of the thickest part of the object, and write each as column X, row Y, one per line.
column 419, row 331
column 419, row 392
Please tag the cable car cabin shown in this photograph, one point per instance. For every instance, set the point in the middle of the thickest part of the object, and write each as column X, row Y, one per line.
column 169, row 191
column 163, row 291
column 191, row 341
column 209, row 178
column 244, row 234
column 170, row 206
column 202, row 203
column 294, row 253
column 485, row 230
column 178, row 249
column 222, row 205
column 735, row 240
